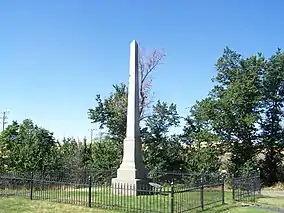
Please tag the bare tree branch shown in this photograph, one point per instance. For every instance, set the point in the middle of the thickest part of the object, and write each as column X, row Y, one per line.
column 148, row 62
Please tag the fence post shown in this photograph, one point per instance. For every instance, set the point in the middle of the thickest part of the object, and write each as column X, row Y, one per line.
column 233, row 187
column 202, row 192
column 256, row 183
column 172, row 196
column 90, row 192
column 223, row 189
column 31, row 185
column 259, row 181
column 254, row 188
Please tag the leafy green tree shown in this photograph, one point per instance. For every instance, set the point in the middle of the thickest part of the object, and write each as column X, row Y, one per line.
column 71, row 155
column 111, row 113
column 7, row 139
column 86, row 154
column 161, row 152
column 203, row 149
column 232, row 108
column 27, row 147
column 272, row 130
column 106, row 155
column 106, row 158
column 239, row 94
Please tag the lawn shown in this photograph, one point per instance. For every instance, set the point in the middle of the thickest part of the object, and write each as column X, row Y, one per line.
column 104, row 200
column 272, row 201
column 23, row 205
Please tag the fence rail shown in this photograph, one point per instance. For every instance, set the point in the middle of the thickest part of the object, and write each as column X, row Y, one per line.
column 246, row 187
column 171, row 198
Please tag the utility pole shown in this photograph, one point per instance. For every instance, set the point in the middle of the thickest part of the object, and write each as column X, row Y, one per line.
column 92, row 134
column 4, row 119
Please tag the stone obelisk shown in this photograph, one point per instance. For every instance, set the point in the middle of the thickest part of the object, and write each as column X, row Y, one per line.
column 132, row 170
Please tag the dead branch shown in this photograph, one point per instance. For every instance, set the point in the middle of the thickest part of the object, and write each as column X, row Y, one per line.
column 148, row 62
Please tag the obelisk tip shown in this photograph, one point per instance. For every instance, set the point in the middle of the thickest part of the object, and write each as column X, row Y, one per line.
column 134, row 42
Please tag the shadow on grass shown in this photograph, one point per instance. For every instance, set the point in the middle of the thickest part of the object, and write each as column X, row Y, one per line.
column 257, row 205
column 232, row 205
column 238, row 207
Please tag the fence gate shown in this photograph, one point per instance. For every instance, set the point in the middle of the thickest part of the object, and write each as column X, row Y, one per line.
column 246, row 187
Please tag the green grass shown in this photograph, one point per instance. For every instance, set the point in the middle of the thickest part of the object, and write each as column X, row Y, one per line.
column 103, row 200
column 271, row 201
column 23, row 205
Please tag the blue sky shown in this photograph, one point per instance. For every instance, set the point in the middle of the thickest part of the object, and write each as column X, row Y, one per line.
column 56, row 55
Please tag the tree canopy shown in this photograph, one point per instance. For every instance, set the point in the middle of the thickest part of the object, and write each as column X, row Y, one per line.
column 237, row 126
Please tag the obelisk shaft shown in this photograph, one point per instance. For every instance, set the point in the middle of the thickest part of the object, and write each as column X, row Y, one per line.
column 132, row 169
column 132, row 143
column 132, row 130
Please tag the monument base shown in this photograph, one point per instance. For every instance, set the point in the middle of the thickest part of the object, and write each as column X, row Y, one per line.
column 132, row 187
column 131, row 181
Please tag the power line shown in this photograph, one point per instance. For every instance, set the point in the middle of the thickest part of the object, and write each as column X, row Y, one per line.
column 4, row 119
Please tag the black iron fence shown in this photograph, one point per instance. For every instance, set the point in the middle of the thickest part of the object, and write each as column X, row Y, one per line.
column 246, row 187
column 196, row 192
